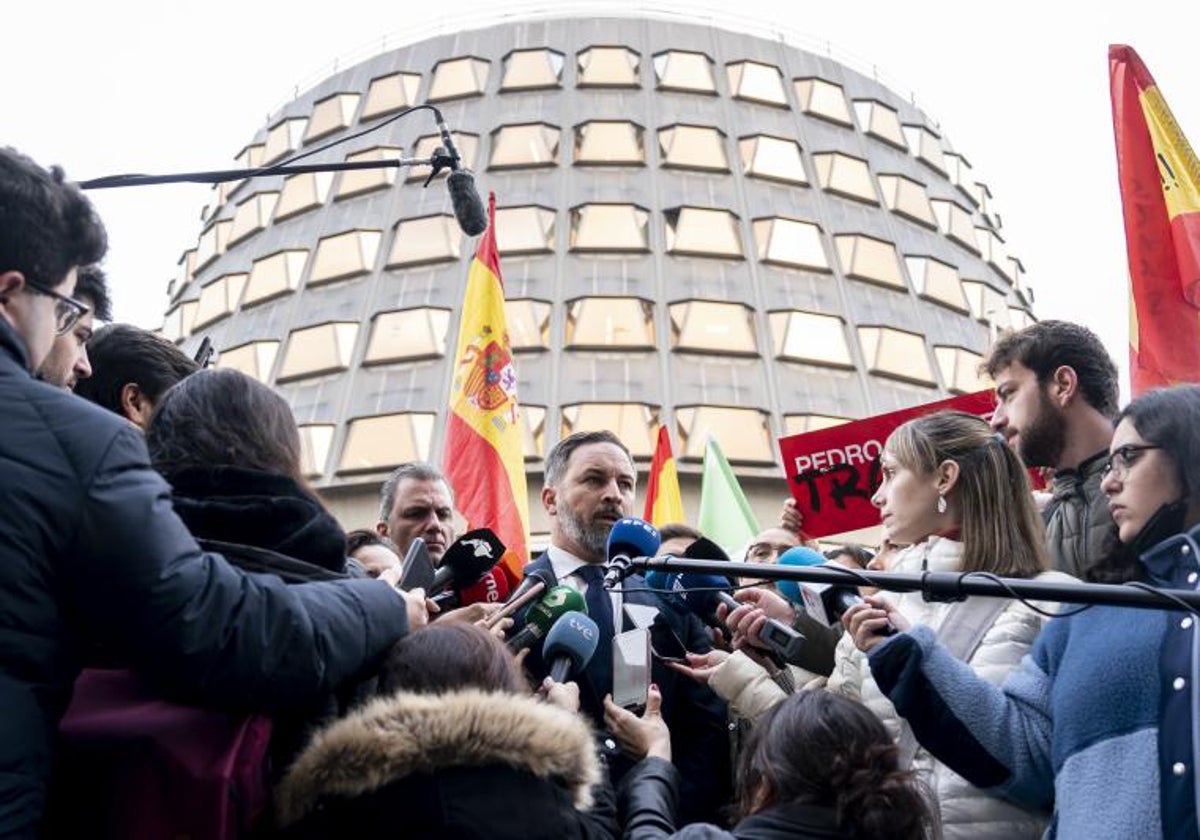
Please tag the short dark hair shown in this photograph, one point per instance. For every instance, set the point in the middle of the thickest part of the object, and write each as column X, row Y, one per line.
column 91, row 287
column 559, row 456
column 1047, row 345
column 448, row 656
column 363, row 537
column 417, row 471
column 47, row 225
column 679, row 531
column 860, row 555
column 224, row 418
column 120, row 354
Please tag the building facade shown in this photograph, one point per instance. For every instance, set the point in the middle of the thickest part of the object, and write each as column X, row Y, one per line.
column 700, row 228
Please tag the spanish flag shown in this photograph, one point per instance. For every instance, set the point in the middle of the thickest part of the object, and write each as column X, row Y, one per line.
column 1160, row 190
column 484, row 458
column 664, row 503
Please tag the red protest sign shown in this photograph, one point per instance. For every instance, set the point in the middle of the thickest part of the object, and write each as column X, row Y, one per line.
column 833, row 472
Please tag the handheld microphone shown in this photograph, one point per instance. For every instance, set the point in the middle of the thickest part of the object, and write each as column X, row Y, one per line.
column 629, row 538
column 542, row 615
column 570, row 645
column 825, row 603
column 468, row 558
column 492, row 588
column 700, row 594
column 535, row 583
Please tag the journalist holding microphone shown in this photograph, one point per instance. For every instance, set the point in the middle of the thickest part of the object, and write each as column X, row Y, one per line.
column 960, row 500
column 1099, row 722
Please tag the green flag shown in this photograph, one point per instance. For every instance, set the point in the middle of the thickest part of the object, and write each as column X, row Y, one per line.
column 725, row 515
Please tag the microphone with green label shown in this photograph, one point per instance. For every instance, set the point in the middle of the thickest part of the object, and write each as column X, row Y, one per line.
column 557, row 602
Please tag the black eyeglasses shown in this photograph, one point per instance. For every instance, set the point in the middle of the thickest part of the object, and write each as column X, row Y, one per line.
column 1118, row 462
column 67, row 311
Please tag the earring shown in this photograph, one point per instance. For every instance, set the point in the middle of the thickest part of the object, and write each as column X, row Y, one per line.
column 941, row 503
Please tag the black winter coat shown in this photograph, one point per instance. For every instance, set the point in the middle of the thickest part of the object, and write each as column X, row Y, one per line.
column 465, row 764
column 265, row 510
column 91, row 551
column 648, row 799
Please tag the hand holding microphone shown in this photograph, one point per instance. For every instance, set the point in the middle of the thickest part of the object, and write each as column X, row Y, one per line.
column 569, row 646
column 871, row 621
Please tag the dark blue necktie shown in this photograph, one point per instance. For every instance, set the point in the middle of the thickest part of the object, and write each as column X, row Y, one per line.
column 600, row 610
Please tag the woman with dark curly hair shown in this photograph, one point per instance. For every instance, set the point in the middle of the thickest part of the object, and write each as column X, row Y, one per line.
column 816, row 766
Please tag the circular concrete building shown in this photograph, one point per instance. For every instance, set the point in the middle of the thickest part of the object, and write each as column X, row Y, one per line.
column 700, row 228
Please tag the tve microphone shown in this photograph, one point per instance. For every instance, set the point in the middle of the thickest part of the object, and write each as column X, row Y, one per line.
column 492, row 588
column 570, row 645
column 542, row 615
column 629, row 538
column 468, row 558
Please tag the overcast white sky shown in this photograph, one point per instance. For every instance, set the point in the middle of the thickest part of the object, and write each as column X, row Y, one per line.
column 1020, row 88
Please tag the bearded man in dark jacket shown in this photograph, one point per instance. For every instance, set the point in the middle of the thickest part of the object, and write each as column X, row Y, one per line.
column 92, row 553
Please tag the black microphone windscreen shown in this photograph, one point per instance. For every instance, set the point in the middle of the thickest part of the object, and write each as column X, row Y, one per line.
column 468, row 207
column 471, row 556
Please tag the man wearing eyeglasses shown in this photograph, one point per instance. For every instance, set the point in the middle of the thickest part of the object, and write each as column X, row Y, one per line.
column 68, row 362
column 1056, row 395
column 92, row 553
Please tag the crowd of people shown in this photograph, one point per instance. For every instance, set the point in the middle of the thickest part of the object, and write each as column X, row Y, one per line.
column 157, row 526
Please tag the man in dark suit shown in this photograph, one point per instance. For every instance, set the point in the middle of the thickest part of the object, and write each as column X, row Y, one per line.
column 590, row 483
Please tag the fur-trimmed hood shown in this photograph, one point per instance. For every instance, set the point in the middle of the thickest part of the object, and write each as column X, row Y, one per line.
column 407, row 734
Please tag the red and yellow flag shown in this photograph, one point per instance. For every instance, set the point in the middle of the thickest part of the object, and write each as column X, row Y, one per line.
column 663, row 501
column 1160, row 191
column 484, row 456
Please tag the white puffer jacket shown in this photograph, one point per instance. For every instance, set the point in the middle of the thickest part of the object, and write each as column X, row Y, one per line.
column 966, row 811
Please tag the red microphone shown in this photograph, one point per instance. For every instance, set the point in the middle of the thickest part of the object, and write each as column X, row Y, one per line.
column 492, row 588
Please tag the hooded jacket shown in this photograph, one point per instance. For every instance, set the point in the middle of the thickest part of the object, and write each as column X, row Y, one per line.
column 463, row 764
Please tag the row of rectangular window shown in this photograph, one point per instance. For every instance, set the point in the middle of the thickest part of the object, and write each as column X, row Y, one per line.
column 626, row 324
column 594, row 228
column 381, row 442
column 613, row 67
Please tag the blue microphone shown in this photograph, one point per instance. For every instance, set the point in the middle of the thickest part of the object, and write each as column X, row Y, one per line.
column 799, row 555
column 629, row 538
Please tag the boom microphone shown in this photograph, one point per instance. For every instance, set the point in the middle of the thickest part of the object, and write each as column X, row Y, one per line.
column 465, row 200
column 570, row 645
column 542, row 615
column 468, row 558
column 629, row 538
